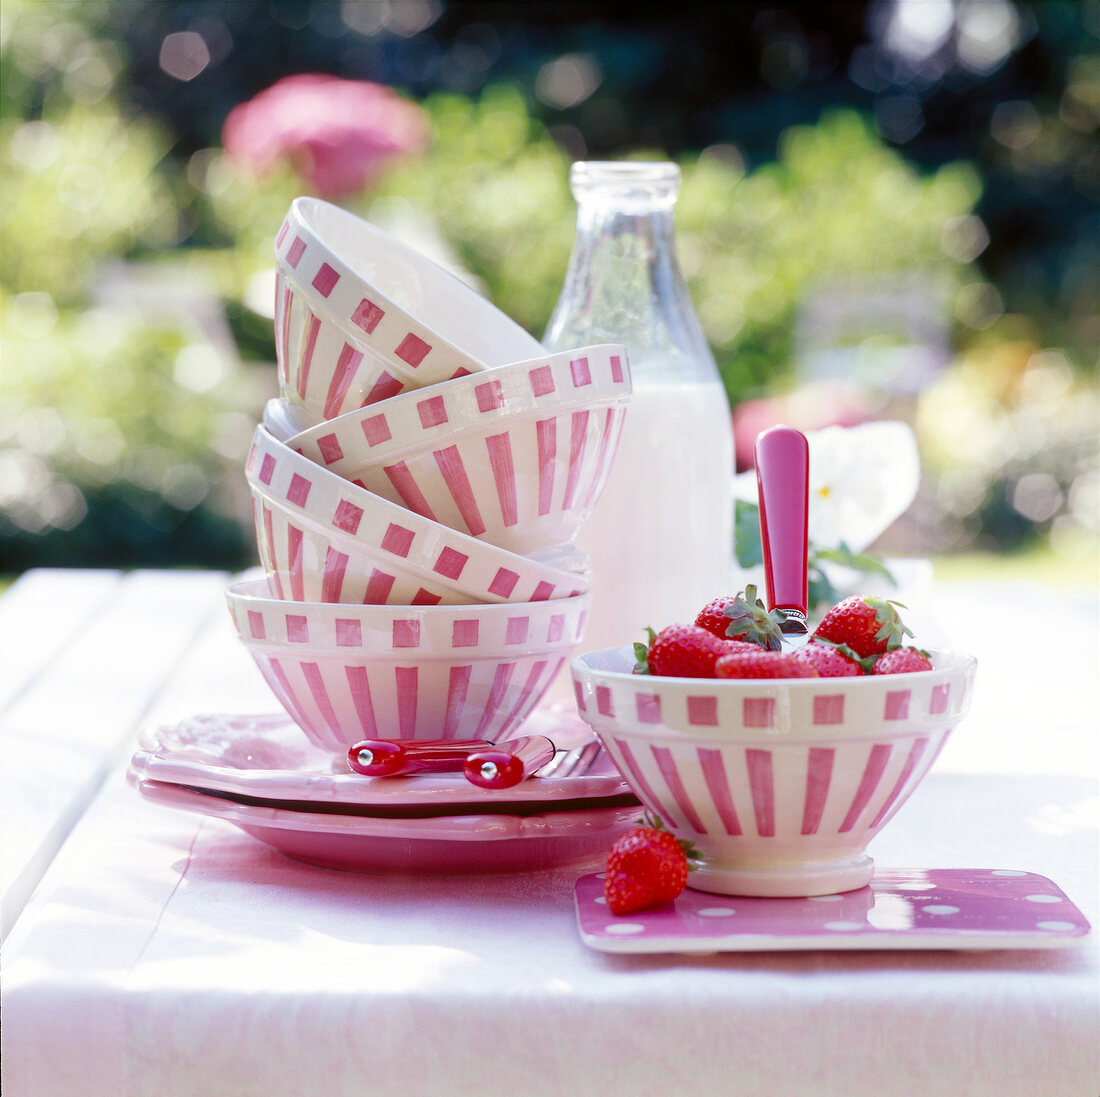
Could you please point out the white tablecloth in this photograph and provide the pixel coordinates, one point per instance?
(168, 954)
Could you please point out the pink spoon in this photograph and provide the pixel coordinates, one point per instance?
(782, 458)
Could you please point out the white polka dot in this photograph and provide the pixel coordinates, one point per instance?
(1007, 872)
(1043, 898)
(625, 928)
(940, 908)
(826, 898)
(1055, 925)
(841, 927)
(600, 899)
(715, 912)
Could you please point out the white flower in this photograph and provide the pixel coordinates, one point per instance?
(862, 479)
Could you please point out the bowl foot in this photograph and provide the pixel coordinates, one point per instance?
(784, 880)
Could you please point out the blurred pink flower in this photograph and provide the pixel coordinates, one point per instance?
(813, 406)
(337, 134)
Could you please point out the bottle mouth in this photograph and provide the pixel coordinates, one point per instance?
(625, 182)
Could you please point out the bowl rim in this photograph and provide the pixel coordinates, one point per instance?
(304, 215)
(429, 537)
(514, 402)
(959, 661)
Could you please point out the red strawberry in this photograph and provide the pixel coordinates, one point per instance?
(713, 617)
(763, 664)
(751, 620)
(829, 660)
(647, 867)
(901, 661)
(680, 651)
(868, 625)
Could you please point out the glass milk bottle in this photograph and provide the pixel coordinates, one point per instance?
(661, 536)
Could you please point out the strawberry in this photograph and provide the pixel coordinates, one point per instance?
(713, 617)
(763, 664)
(901, 661)
(679, 651)
(829, 660)
(647, 867)
(867, 625)
(751, 620)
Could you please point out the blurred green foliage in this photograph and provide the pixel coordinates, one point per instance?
(135, 293)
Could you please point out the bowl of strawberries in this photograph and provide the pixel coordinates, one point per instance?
(777, 758)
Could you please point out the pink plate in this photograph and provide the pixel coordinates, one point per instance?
(269, 757)
(902, 908)
(455, 845)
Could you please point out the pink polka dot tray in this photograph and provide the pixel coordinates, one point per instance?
(900, 909)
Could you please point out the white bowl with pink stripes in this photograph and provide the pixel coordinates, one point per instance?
(780, 783)
(517, 456)
(346, 673)
(361, 316)
(324, 539)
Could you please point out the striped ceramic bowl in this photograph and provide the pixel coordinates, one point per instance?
(323, 539)
(780, 784)
(360, 316)
(346, 673)
(516, 456)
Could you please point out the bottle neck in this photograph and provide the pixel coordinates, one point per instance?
(624, 283)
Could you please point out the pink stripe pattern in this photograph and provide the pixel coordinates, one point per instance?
(872, 774)
(450, 465)
(504, 476)
(762, 789)
(714, 773)
(671, 775)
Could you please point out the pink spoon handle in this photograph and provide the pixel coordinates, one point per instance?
(401, 757)
(782, 478)
(509, 763)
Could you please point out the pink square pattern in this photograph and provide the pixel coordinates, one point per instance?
(298, 492)
(297, 628)
(397, 540)
(648, 706)
(758, 712)
(347, 516)
(616, 369)
(504, 582)
(376, 429)
(450, 563)
(267, 469)
(325, 279)
(581, 371)
(517, 630)
(464, 633)
(349, 633)
(603, 701)
(938, 702)
(256, 625)
(367, 315)
(295, 251)
(703, 711)
(412, 349)
(406, 634)
(542, 380)
(897, 705)
(829, 708)
(433, 411)
(489, 395)
(330, 449)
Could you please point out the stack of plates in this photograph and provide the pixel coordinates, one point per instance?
(262, 774)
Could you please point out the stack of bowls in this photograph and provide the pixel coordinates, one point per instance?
(417, 489)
